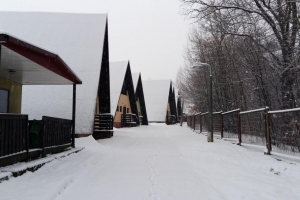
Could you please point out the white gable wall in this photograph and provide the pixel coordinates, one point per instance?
(78, 40)
(156, 93)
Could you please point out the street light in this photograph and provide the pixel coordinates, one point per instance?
(197, 66)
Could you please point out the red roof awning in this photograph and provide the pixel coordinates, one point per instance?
(27, 64)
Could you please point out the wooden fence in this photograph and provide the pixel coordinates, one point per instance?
(277, 130)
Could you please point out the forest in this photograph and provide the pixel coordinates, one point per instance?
(253, 48)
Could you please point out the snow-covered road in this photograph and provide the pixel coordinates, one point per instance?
(159, 162)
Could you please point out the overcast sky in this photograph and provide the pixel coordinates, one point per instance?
(150, 33)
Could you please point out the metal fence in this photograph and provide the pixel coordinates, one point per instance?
(253, 126)
(277, 130)
(230, 123)
(285, 131)
(13, 134)
(56, 131)
(197, 123)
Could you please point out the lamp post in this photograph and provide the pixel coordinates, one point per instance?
(196, 66)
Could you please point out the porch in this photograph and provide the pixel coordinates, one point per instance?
(22, 139)
(170, 119)
(103, 126)
(129, 120)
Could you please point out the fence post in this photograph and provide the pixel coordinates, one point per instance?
(200, 123)
(221, 118)
(239, 128)
(194, 122)
(27, 136)
(43, 136)
(267, 126)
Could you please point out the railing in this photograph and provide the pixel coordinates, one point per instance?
(253, 127)
(201, 122)
(56, 131)
(129, 119)
(13, 134)
(197, 122)
(103, 122)
(277, 130)
(230, 124)
(178, 119)
(285, 131)
(141, 119)
(171, 119)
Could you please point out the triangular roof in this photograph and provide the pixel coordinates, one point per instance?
(139, 94)
(156, 94)
(176, 95)
(117, 75)
(78, 39)
(135, 79)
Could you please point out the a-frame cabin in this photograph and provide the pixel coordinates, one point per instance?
(81, 40)
(171, 117)
(103, 121)
(140, 99)
(123, 104)
(178, 105)
(160, 102)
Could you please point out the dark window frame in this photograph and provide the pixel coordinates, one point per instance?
(8, 99)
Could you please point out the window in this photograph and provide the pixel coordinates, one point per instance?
(127, 110)
(4, 96)
(117, 108)
(120, 108)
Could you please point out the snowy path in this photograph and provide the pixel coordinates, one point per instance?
(158, 162)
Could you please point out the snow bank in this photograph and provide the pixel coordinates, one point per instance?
(87, 142)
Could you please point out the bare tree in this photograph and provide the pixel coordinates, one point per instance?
(272, 27)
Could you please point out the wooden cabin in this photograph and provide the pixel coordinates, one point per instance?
(160, 102)
(81, 40)
(24, 64)
(123, 101)
(178, 105)
(140, 99)
(172, 116)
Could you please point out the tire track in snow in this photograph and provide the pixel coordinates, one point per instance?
(63, 187)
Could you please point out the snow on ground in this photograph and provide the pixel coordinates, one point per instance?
(159, 162)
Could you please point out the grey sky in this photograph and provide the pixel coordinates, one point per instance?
(150, 33)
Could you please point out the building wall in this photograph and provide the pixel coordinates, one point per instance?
(169, 109)
(15, 94)
(124, 102)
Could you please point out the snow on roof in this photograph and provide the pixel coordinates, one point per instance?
(78, 39)
(156, 94)
(117, 71)
(135, 79)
